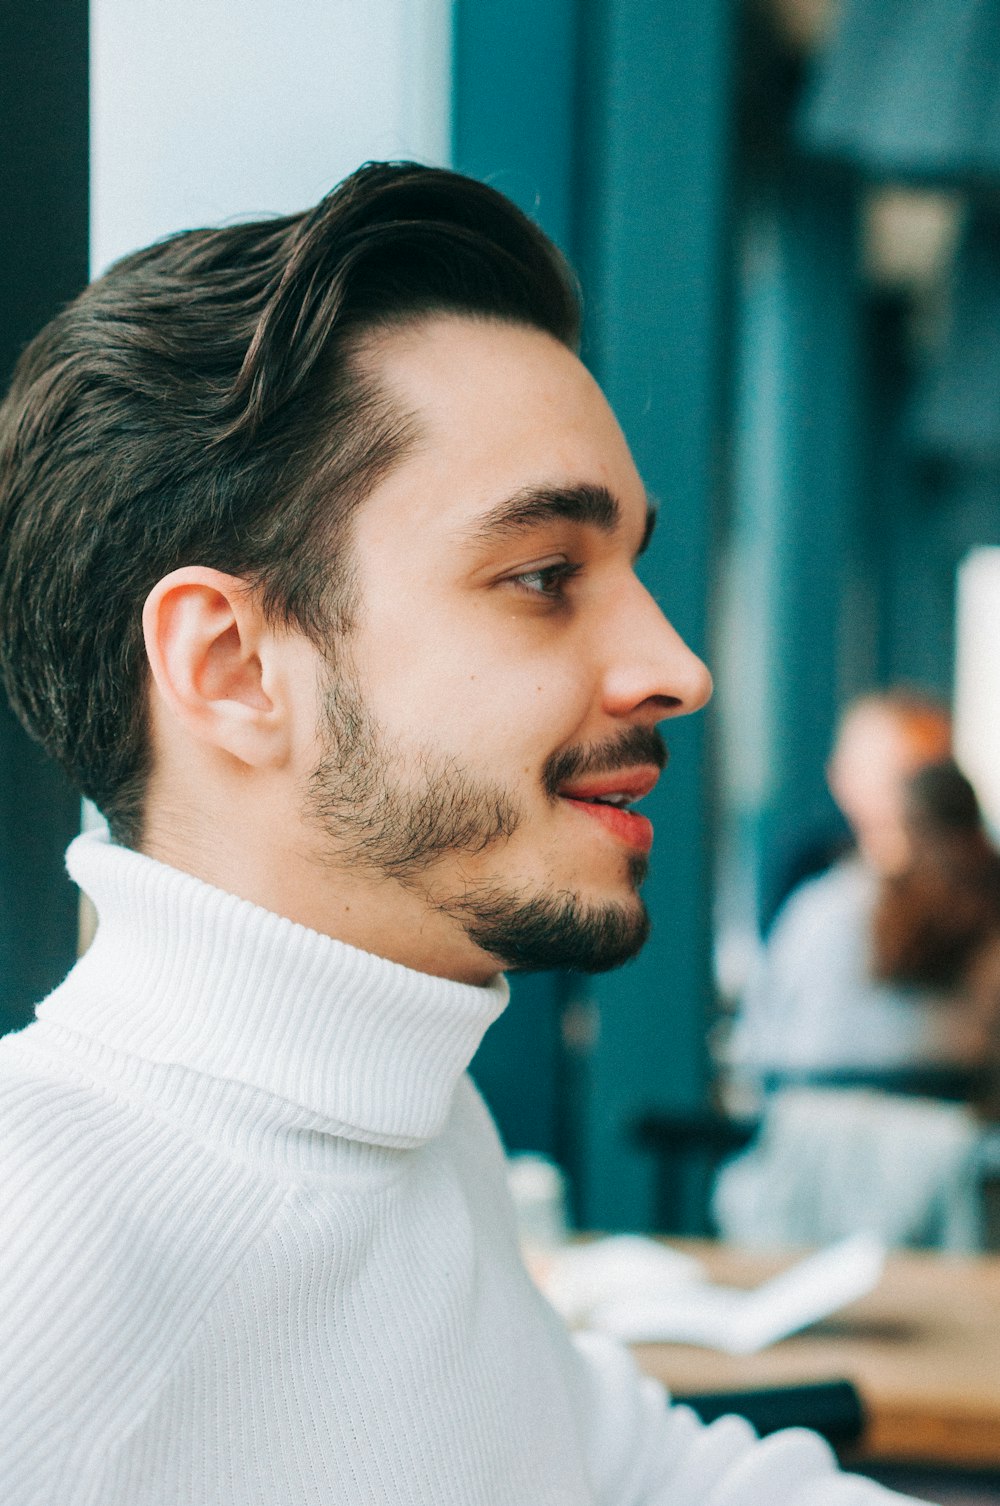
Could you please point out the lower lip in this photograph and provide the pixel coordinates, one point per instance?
(629, 827)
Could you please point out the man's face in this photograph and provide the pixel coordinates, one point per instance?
(496, 700)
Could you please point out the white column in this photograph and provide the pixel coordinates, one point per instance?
(205, 110)
(977, 677)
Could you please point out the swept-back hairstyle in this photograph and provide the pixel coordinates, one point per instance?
(208, 402)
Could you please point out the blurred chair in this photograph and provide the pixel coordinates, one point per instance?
(831, 1161)
(692, 1148)
(689, 1147)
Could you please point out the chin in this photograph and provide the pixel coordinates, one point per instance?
(560, 930)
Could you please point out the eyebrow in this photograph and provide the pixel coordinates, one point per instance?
(533, 507)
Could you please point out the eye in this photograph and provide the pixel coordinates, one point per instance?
(547, 581)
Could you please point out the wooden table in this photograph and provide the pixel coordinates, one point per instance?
(923, 1351)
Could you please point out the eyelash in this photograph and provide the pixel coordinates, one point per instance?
(557, 576)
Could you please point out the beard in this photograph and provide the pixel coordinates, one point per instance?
(385, 823)
(529, 933)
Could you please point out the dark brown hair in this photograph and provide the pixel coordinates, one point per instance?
(207, 402)
(932, 920)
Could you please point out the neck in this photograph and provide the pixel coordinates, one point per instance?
(288, 876)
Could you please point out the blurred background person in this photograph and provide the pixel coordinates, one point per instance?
(869, 1139)
(818, 1007)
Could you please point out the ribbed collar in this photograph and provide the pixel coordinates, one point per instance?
(184, 974)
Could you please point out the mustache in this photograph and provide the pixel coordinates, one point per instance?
(632, 746)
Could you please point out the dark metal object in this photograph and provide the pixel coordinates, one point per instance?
(831, 1408)
(689, 1147)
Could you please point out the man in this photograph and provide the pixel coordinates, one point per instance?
(815, 1011)
(318, 576)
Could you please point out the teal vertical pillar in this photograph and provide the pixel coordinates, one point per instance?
(653, 193)
(823, 609)
(513, 104)
(43, 262)
(513, 125)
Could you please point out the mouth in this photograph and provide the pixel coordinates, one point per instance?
(608, 799)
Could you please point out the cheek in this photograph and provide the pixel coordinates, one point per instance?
(481, 702)
(463, 672)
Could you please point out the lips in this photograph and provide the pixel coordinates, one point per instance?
(627, 784)
(605, 799)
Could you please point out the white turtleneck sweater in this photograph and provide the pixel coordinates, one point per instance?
(257, 1248)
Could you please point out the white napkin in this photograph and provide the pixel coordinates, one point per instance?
(643, 1292)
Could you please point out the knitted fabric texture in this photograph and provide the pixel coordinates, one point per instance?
(257, 1247)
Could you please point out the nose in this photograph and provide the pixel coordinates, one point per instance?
(651, 673)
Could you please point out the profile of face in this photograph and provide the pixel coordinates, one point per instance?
(491, 714)
(448, 778)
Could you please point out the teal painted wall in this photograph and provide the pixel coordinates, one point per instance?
(43, 262)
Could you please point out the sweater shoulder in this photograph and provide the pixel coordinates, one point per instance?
(115, 1235)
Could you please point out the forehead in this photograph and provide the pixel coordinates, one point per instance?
(497, 408)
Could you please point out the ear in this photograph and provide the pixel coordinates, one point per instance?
(213, 665)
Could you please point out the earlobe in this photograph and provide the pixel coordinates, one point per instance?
(208, 648)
